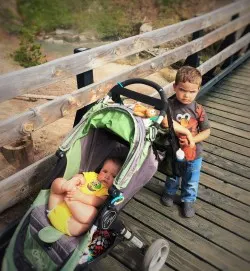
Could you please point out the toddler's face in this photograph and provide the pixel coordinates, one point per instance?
(108, 173)
(186, 92)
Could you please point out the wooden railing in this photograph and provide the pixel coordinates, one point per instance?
(16, 187)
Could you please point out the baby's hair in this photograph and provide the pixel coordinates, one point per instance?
(188, 74)
(117, 160)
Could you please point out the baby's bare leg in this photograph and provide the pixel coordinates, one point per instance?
(76, 228)
(56, 193)
(57, 186)
(82, 212)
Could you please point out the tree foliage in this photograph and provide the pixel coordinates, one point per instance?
(29, 52)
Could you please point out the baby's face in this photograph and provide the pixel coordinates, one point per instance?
(108, 173)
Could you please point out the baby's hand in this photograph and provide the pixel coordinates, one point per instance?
(76, 180)
(68, 186)
(73, 195)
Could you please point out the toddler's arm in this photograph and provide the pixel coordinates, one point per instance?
(180, 130)
(202, 136)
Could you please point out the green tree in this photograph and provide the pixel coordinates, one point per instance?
(29, 52)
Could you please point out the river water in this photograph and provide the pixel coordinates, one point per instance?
(64, 49)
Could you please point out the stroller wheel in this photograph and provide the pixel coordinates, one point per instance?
(156, 255)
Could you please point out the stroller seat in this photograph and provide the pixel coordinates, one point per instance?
(58, 251)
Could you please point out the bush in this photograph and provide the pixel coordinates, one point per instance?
(29, 53)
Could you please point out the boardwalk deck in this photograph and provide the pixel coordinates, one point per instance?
(218, 237)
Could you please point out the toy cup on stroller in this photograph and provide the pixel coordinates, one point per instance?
(105, 130)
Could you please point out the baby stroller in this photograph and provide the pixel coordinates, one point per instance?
(105, 130)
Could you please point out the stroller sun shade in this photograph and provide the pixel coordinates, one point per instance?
(87, 147)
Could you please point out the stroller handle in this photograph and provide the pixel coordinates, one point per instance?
(120, 89)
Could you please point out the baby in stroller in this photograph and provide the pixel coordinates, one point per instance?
(73, 204)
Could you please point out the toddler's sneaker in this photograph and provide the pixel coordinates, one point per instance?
(187, 209)
(167, 200)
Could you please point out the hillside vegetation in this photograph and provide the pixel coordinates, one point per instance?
(101, 19)
(106, 19)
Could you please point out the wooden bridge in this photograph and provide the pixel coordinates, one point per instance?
(218, 237)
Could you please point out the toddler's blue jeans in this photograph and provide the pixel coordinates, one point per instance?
(189, 184)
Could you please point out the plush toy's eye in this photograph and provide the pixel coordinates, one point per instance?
(186, 116)
(179, 117)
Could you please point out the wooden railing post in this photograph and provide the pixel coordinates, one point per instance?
(83, 79)
(194, 59)
(247, 30)
(230, 39)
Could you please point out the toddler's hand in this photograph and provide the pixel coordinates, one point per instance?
(191, 140)
(187, 140)
(183, 141)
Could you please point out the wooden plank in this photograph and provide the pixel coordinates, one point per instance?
(226, 103)
(227, 154)
(234, 207)
(210, 104)
(179, 258)
(22, 81)
(231, 123)
(108, 264)
(238, 81)
(130, 255)
(234, 85)
(25, 182)
(209, 212)
(241, 73)
(232, 93)
(229, 98)
(226, 176)
(244, 79)
(231, 130)
(226, 164)
(198, 225)
(228, 145)
(201, 247)
(231, 206)
(234, 117)
(230, 137)
(245, 69)
(15, 127)
(227, 189)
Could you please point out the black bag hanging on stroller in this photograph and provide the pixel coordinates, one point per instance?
(105, 130)
(167, 144)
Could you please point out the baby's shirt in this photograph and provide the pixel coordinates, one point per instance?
(92, 186)
(192, 116)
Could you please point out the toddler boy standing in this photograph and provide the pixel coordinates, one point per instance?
(189, 114)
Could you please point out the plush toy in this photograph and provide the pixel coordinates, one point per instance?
(144, 112)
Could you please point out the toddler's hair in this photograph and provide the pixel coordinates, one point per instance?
(188, 74)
